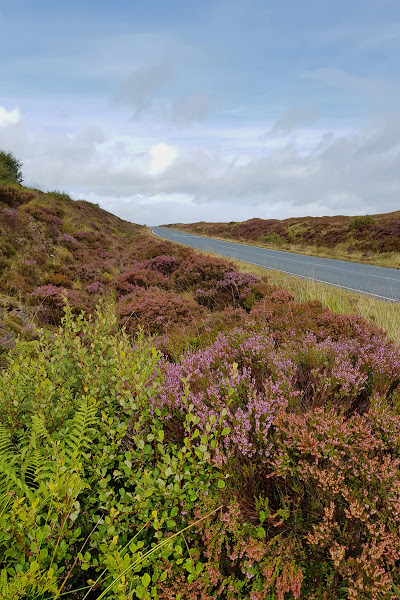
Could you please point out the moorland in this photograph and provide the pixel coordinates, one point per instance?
(371, 239)
(173, 427)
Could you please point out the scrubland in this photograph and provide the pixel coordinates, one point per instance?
(371, 239)
(175, 427)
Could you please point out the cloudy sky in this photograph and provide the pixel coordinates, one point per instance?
(213, 110)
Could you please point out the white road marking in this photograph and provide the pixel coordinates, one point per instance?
(343, 287)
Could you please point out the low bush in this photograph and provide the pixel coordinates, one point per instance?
(361, 221)
(165, 264)
(94, 499)
(232, 289)
(273, 239)
(69, 241)
(95, 288)
(138, 277)
(200, 271)
(313, 462)
(156, 310)
(13, 196)
(49, 302)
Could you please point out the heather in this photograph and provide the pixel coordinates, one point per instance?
(254, 467)
(173, 427)
(373, 239)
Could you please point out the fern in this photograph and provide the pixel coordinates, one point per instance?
(5, 440)
(10, 479)
(77, 439)
(37, 457)
(23, 584)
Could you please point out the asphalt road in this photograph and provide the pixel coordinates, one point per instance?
(379, 282)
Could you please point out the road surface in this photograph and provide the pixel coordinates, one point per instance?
(378, 282)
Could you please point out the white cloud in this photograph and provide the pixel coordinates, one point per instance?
(181, 179)
(10, 117)
(162, 156)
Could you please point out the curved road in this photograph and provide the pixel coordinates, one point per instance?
(379, 282)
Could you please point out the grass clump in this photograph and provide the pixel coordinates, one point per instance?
(60, 195)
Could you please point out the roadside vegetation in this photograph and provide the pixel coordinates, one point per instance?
(180, 427)
(370, 239)
(385, 315)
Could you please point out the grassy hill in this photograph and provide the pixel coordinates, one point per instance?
(240, 444)
(373, 239)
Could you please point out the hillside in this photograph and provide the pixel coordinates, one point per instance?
(49, 242)
(52, 247)
(177, 429)
(373, 239)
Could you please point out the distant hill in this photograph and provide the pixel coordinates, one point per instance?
(367, 238)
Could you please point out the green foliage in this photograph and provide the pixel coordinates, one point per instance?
(95, 492)
(361, 221)
(273, 239)
(10, 168)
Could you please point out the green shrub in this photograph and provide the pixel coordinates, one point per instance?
(10, 168)
(273, 239)
(361, 221)
(95, 490)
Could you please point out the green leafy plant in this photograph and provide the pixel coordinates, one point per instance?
(10, 168)
(361, 221)
(96, 493)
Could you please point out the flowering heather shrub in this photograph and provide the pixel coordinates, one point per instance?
(90, 270)
(51, 300)
(313, 457)
(232, 289)
(155, 310)
(164, 264)
(198, 270)
(288, 319)
(9, 217)
(14, 197)
(87, 238)
(48, 216)
(69, 241)
(137, 277)
(147, 247)
(59, 279)
(95, 288)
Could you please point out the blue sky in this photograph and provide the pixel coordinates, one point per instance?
(219, 110)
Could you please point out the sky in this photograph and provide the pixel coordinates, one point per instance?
(218, 110)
